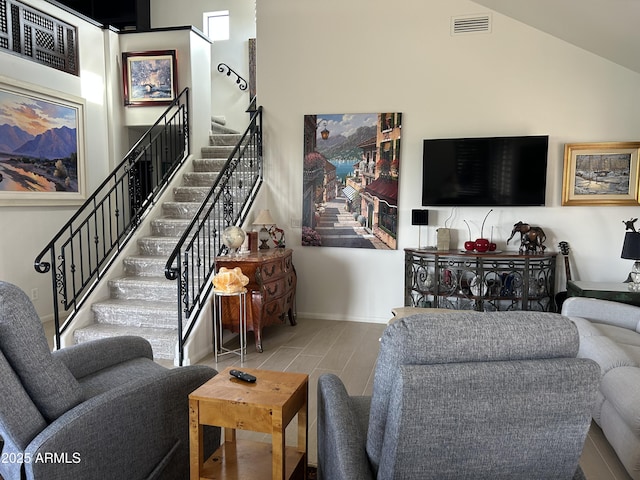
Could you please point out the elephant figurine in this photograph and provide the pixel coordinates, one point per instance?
(531, 238)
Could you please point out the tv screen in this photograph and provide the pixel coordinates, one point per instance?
(488, 171)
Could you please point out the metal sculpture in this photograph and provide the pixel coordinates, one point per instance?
(531, 238)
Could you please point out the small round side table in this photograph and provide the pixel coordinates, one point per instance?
(218, 349)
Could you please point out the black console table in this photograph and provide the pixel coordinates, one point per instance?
(615, 292)
(479, 281)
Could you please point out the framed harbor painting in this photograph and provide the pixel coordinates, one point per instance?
(42, 156)
(149, 78)
(351, 172)
(601, 173)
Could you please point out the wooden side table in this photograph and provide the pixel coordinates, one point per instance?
(266, 406)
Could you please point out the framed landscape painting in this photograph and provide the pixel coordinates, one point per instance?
(42, 157)
(149, 77)
(601, 174)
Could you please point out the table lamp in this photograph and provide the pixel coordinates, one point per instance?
(631, 251)
(264, 218)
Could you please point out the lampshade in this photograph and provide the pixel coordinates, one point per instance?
(264, 218)
(631, 246)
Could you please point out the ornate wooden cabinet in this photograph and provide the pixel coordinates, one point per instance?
(479, 281)
(271, 290)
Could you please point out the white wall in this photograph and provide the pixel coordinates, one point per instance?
(194, 59)
(26, 230)
(372, 56)
(227, 99)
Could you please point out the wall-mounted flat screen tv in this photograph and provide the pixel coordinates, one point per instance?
(487, 171)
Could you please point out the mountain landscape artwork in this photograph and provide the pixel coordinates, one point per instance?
(38, 144)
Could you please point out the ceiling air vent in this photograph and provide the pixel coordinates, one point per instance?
(471, 24)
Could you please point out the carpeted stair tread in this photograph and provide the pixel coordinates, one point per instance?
(136, 313)
(190, 194)
(200, 179)
(143, 288)
(145, 265)
(208, 164)
(169, 227)
(180, 209)
(158, 246)
(225, 139)
(216, 151)
(163, 340)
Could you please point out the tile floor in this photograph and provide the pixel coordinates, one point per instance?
(349, 350)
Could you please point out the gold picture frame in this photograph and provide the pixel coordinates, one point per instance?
(604, 173)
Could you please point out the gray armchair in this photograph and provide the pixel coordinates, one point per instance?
(463, 395)
(97, 410)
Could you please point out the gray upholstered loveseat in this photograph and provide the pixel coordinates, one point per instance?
(463, 395)
(99, 410)
(610, 335)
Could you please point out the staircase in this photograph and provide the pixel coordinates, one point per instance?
(144, 302)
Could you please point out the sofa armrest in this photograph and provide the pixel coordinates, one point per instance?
(603, 311)
(86, 358)
(123, 433)
(342, 432)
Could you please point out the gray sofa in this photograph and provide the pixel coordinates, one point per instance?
(97, 410)
(463, 395)
(609, 334)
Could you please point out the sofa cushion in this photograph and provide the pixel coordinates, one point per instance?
(586, 328)
(603, 311)
(606, 352)
(619, 334)
(50, 384)
(133, 370)
(621, 387)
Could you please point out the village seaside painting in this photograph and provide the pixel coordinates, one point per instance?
(351, 172)
(41, 153)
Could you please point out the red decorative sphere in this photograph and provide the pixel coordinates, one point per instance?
(469, 246)
(482, 245)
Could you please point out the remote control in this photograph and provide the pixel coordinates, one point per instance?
(243, 376)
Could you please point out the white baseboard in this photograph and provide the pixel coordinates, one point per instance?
(343, 318)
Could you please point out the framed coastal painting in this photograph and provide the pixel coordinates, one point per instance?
(149, 78)
(351, 168)
(42, 153)
(601, 174)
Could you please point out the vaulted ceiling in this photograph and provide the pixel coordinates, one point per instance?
(608, 28)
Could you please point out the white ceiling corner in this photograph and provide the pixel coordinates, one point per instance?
(607, 28)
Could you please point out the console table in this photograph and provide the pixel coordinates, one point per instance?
(613, 291)
(479, 281)
(271, 291)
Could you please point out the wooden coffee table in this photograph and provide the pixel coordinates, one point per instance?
(266, 406)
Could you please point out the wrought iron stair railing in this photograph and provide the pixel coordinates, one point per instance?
(192, 262)
(241, 82)
(79, 255)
